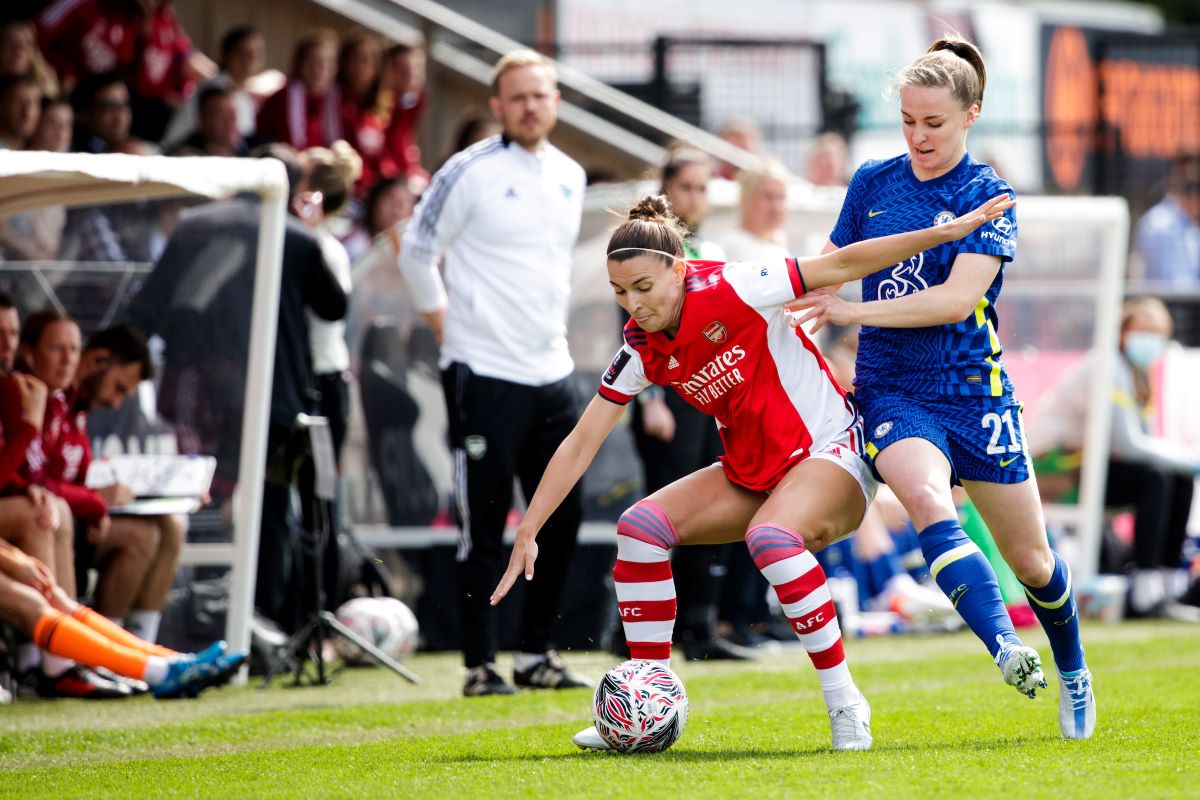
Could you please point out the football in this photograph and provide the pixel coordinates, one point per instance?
(383, 621)
(640, 707)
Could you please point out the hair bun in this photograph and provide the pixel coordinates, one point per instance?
(652, 208)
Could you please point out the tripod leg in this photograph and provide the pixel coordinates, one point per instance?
(383, 658)
(294, 646)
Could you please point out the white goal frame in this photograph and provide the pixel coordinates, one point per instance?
(34, 179)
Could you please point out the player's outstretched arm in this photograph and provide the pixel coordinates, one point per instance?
(871, 255)
(942, 304)
(567, 466)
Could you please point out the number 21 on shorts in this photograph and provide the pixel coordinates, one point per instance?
(1000, 424)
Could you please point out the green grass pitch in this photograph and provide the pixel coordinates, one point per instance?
(944, 726)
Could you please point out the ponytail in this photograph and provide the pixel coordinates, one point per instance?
(952, 63)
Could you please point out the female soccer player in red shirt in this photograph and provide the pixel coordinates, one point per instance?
(792, 478)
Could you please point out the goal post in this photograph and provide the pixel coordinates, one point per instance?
(34, 180)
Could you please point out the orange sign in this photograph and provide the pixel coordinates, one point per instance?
(1069, 106)
(1153, 108)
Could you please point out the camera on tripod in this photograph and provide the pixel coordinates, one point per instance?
(306, 459)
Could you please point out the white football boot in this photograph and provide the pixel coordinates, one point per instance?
(1021, 667)
(590, 739)
(852, 726)
(1076, 705)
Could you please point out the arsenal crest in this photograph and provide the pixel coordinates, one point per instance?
(715, 333)
(476, 447)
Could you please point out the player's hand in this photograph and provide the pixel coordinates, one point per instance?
(33, 398)
(34, 573)
(98, 531)
(821, 308)
(657, 420)
(992, 209)
(524, 553)
(117, 494)
(45, 510)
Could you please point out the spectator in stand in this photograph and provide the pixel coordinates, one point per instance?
(103, 113)
(307, 111)
(217, 131)
(1167, 237)
(243, 56)
(55, 126)
(140, 40)
(829, 160)
(378, 285)
(475, 127)
(135, 557)
(20, 57)
(743, 133)
(388, 202)
(1153, 474)
(366, 106)
(113, 233)
(404, 74)
(36, 235)
(760, 235)
(20, 109)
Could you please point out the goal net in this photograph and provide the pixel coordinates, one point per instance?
(81, 235)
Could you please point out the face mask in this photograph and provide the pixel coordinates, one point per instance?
(1143, 349)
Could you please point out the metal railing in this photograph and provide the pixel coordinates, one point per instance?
(439, 26)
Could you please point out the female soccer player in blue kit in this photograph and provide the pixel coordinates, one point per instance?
(938, 404)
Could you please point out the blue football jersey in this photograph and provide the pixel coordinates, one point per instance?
(963, 358)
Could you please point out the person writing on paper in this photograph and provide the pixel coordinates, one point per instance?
(134, 556)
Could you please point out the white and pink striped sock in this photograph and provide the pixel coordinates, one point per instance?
(645, 587)
(799, 583)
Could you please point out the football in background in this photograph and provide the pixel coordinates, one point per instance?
(383, 621)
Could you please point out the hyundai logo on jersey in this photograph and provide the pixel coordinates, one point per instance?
(715, 333)
(1004, 225)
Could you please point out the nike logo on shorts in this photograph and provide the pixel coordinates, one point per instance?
(1004, 462)
(874, 213)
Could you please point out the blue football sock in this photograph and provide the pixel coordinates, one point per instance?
(1055, 607)
(965, 576)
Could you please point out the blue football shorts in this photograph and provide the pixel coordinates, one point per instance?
(983, 438)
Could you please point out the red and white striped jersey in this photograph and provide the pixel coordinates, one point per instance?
(736, 357)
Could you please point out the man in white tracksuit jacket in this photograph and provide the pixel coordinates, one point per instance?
(505, 213)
